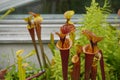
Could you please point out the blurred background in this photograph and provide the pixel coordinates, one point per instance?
(53, 6)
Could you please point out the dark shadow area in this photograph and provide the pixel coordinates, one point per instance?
(60, 6)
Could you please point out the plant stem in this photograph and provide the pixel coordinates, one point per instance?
(35, 75)
(10, 66)
(2, 74)
(93, 71)
(64, 58)
(76, 71)
(92, 46)
(31, 31)
(52, 44)
(88, 65)
(7, 13)
(76, 66)
(38, 31)
(102, 66)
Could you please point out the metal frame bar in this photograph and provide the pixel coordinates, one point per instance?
(6, 4)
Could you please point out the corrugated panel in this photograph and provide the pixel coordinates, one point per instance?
(13, 30)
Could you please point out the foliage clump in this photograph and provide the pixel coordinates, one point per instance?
(95, 21)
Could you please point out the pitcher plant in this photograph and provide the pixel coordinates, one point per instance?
(65, 43)
(92, 55)
(31, 30)
(37, 23)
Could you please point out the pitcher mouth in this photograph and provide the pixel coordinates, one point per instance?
(87, 50)
(67, 44)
